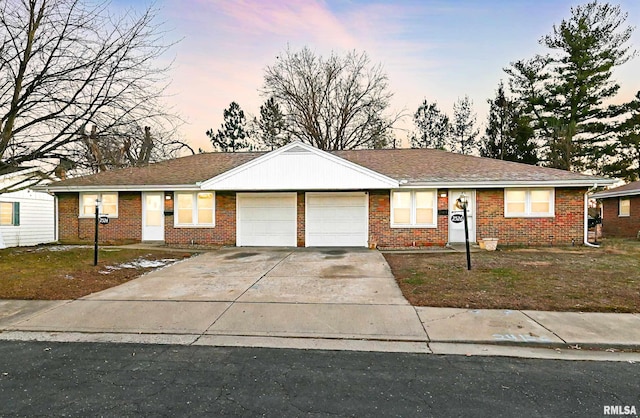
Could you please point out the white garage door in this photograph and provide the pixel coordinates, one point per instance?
(266, 219)
(336, 220)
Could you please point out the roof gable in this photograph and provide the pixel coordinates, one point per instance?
(299, 166)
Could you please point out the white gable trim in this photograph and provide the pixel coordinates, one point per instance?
(299, 166)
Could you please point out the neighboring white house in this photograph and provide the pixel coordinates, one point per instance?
(27, 217)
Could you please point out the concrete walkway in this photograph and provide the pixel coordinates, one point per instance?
(309, 299)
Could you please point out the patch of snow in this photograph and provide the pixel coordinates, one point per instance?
(56, 248)
(143, 263)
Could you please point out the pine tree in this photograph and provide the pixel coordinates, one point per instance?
(432, 127)
(509, 135)
(627, 144)
(564, 91)
(463, 132)
(270, 128)
(232, 135)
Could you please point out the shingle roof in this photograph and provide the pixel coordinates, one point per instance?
(179, 171)
(626, 190)
(434, 166)
(412, 165)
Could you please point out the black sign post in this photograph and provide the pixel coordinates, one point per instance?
(463, 202)
(95, 242)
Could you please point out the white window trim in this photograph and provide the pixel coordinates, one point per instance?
(413, 209)
(620, 214)
(527, 203)
(194, 209)
(99, 194)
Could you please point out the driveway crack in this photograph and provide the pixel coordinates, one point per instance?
(242, 294)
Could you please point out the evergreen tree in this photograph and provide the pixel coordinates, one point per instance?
(463, 132)
(564, 91)
(432, 127)
(232, 135)
(270, 128)
(509, 134)
(627, 144)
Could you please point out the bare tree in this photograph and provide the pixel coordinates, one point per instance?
(132, 146)
(67, 64)
(331, 103)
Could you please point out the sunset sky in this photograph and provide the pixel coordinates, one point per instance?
(434, 50)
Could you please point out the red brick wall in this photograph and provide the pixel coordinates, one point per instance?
(620, 226)
(68, 209)
(126, 227)
(301, 219)
(224, 233)
(567, 225)
(382, 235)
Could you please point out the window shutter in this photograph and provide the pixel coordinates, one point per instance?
(16, 213)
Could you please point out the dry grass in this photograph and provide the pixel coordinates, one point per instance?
(551, 279)
(55, 273)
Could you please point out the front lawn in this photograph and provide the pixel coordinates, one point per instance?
(67, 272)
(585, 279)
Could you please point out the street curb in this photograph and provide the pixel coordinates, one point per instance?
(589, 352)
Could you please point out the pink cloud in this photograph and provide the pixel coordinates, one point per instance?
(310, 21)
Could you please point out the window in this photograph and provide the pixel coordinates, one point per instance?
(415, 208)
(108, 204)
(9, 213)
(625, 207)
(195, 209)
(528, 202)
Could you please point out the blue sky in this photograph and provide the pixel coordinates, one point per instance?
(434, 50)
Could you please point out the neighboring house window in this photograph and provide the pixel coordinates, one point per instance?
(195, 209)
(625, 207)
(528, 202)
(9, 213)
(108, 204)
(416, 208)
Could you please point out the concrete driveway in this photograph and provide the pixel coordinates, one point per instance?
(269, 275)
(321, 293)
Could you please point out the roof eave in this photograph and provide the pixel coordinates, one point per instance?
(622, 193)
(489, 184)
(120, 188)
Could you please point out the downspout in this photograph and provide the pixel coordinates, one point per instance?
(586, 218)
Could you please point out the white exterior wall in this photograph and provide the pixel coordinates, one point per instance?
(299, 167)
(37, 219)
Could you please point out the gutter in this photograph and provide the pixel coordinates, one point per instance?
(613, 193)
(116, 188)
(503, 184)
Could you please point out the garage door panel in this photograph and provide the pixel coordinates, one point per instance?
(336, 219)
(267, 220)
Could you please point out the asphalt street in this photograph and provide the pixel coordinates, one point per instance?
(103, 379)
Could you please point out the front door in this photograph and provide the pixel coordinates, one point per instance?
(153, 216)
(456, 216)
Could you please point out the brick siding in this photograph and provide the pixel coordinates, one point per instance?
(301, 219)
(224, 232)
(127, 227)
(616, 226)
(563, 229)
(382, 235)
